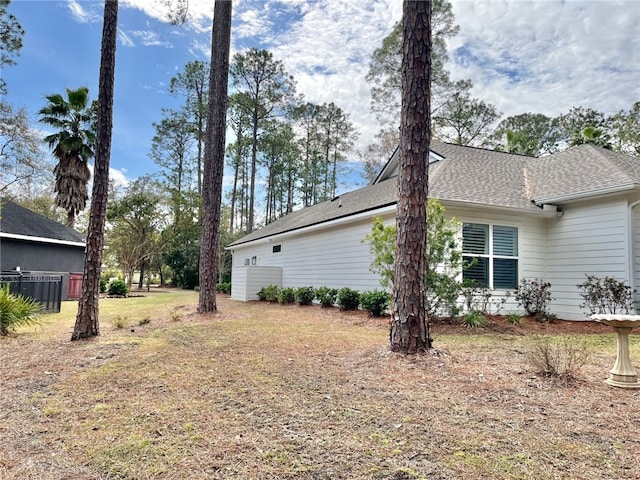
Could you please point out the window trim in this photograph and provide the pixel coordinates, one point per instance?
(491, 256)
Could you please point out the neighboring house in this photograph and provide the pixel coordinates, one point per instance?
(33, 243)
(556, 218)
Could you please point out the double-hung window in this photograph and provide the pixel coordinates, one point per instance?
(490, 253)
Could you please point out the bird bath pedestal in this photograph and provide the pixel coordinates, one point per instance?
(622, 374)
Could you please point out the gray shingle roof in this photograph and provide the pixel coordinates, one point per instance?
(581, 171)
(18, 220)
(482, 177)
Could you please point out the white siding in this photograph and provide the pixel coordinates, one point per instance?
(590, 238)
(338, 257)
(334, 256)
(247, 281)
(531, 240)
(635, 222)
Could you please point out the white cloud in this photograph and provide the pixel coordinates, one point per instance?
(125, 40)
(118, 177)
(150, 38)
(548, 56)
(82, 15)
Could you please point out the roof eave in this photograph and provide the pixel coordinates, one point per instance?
(380, 210)
(27, 238)
(588, 193)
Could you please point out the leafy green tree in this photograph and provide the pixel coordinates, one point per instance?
(11, 34)
(72, 144)
(214, 155)
(444, 258)
(626, 130)
(532, 134)
(134, 225)
(572, 125)
(382, 245)
(279, 157)
(464, 120)
(375, 155)
(384, 68)
(22, 163)
(306, 117)
(594, 136)
(267, 90)
(193, 85)
(87, 318)
(337, 136)
(238, 158)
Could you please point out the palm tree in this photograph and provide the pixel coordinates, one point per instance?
(72, 145)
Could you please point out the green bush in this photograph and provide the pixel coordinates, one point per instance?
(304, 295)
(17, 311)
(514, 318)
(605, 295)
(223, 287)
(534, 296)
(376, 302)
(326, 296)
(474, 320)
(269, 293)
(287, 295)
(348, 299)
(103, 285)
(118, 288)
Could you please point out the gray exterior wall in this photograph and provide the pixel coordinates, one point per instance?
(40, 256)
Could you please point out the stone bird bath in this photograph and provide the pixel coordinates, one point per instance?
(622, 374)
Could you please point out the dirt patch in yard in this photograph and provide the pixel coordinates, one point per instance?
(261, 391)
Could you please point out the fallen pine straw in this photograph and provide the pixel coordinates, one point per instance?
(261, 391)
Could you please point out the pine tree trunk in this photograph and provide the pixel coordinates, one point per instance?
(410, 325)
(87, 319)
(214, 149)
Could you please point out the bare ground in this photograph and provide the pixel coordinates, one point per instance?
(269, 392)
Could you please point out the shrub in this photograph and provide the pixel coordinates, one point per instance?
(118, 288)
(103, 285)
(474, 320)
(514, 318)
(17, 311)
(269, 293)
(326, 296)
(444, 258)
(561, 359)
(287, 295)
(606, 295)
(174, 313)
(144, 321)
(348, 299)
(476, 297)
(223, 287)
(534, 296)
(304, 295)
(119, 322)
(376, 302)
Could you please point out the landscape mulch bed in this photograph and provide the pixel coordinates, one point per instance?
(270, 392)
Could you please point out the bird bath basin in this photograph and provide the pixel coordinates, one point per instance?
(622, 374)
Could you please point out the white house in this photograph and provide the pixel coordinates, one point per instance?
(557, 218)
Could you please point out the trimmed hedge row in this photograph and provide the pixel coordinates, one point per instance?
(376, 302)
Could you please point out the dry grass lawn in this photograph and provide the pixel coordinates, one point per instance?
(261, 391)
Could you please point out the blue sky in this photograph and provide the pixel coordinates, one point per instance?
(539, 56)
